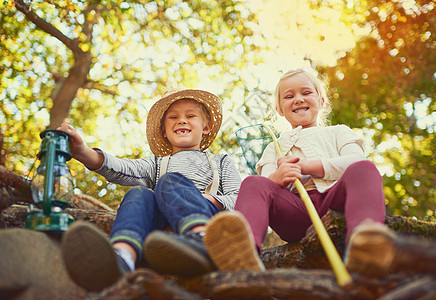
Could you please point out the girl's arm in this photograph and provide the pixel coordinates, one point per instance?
(335, 167)
(92, 159)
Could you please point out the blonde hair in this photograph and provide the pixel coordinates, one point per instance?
(320, 87)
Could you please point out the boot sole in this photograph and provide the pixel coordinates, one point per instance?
(168, 256)
(230, 243)
(89, 257)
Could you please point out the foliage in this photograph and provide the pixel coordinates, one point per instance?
(138, 49)
(387, 85)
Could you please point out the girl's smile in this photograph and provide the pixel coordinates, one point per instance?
(299, 101)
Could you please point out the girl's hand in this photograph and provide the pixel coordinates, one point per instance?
(308, 167)
(288, 170)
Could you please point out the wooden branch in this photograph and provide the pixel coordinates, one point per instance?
(421, 288)
(93, 85)
(286, 283)
(14, 217)
(44, 25)
(13, 189)
(78, 73)
(88, 202)
(144, 283)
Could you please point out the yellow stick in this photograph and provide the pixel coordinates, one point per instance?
(342, 276)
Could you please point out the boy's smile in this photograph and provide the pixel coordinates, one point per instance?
(182, 131)
(184, 125)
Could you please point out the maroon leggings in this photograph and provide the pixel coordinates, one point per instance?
(358, 193)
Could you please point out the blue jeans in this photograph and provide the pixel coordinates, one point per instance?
(175, 202)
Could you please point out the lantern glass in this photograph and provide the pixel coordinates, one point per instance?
(52, 187)
(63, 185)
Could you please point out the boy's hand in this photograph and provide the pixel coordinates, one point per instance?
(92, 159)
(213, 200)
(77, 144)
(288, 170)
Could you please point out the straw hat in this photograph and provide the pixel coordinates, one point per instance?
(159, 145)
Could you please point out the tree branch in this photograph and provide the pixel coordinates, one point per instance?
(45, 26)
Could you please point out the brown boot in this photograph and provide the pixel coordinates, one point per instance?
(229, 242)
(371, 250)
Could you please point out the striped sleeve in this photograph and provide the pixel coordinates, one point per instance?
(128, 172)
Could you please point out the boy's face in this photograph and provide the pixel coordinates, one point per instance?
(184, 125)
(299, 101)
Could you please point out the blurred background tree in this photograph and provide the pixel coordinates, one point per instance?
(101, 65)
(386, 85)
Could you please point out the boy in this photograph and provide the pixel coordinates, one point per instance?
(189, 186)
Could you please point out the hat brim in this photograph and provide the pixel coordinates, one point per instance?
(159, 145)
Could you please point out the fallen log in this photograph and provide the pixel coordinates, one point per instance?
(15, 189)
(15, 215)
(144, 283)
(307, 253)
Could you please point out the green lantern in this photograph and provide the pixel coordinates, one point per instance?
(52, 186)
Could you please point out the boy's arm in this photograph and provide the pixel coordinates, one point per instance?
(213, 200)
(127, 172)
(230, 181)
(92, 159)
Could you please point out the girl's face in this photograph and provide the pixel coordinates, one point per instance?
(299, 101)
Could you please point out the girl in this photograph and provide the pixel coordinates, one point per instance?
(328, 160)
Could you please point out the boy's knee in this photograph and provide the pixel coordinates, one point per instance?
(170, 177)
(138, 192)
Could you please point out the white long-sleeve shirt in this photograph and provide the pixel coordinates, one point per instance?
(336, 146)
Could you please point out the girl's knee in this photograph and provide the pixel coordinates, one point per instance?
(254, 182)
(363, 166)
(254, 188)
